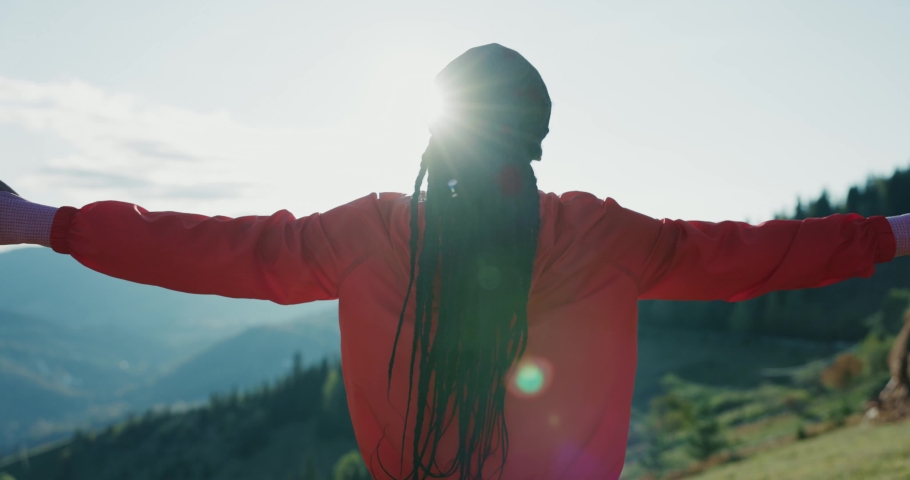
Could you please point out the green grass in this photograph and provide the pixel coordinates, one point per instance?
(860, 452)
(727, 370)
(751, 420)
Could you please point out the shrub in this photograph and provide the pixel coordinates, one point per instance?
(796, 402)
(874, 350)
(350, 467)
(838, 415)
(671, 413)
(657, 442)
(808, 375)
(705, 440)
(843, 372)
(705, 437)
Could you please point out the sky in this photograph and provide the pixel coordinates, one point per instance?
(721, 110)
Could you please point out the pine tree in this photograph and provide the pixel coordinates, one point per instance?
(800, 212)
(743, 317)
(309, 468)
(657, 442)
(705, 438)
(297, 369)
(822, 206)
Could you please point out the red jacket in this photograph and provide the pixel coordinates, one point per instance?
(595, 260)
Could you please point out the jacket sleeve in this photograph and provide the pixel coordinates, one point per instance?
(280, 258)
(734, 261)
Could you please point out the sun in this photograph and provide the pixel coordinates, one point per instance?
(432, 103)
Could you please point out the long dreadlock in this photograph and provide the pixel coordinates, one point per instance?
(482, 219)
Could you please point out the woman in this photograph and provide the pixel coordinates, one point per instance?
(487, 329)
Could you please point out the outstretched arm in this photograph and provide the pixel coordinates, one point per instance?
(736, 261)
(279, 258)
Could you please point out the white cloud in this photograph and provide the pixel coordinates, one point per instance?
(164, 157)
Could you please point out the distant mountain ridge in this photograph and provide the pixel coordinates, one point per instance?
(246, 360)
(46, 395)
(77, 346)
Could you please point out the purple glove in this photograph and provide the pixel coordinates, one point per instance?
(901, 227)
(22, 221)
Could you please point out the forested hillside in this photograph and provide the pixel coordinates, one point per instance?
(55, 378)
(837, 312)
(297, 428)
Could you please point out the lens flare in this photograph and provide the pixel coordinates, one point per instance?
(531, 378)
(433, 105)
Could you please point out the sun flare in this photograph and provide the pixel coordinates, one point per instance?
(433, 104)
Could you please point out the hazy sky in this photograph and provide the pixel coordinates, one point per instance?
(698, 110)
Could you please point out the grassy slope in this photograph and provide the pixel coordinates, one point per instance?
(855, 453)
(752, 419)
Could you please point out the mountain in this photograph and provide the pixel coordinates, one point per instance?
(246, 360)
(49, 371)
(43, 284)
(56, 379)
(79, 348)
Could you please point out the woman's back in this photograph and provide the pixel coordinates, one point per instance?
(568, 408)
(569, 399)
